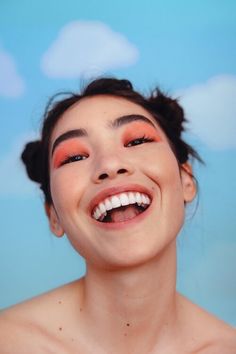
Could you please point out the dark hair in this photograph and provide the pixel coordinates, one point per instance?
(166, 111)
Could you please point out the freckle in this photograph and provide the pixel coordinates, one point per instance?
(72, 339)
(59, 302)
(60, 328)
(125, 334)
(80, 309)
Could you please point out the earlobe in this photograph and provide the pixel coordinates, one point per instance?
(188, 182)
(54, 222)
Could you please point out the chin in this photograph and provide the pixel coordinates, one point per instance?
(130, 256)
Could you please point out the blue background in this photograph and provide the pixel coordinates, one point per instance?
(186, 47)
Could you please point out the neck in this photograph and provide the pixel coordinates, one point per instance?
(135, 306)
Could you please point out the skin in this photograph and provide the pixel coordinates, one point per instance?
(127, 301)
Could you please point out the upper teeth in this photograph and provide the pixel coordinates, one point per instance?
(118, 200)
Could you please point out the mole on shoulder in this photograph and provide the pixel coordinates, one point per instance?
(127, 324)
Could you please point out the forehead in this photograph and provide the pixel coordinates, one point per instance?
(94, 112)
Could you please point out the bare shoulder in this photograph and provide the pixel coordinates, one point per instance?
(19, 336)
(34, 325)
(209, 334)
(219, 338)
(223, 345)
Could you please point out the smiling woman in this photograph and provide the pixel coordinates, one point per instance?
(116, 176)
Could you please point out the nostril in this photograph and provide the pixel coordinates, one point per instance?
(111, 174)
(122, 170)
(103, 176)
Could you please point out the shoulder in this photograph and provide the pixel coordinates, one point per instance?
(38, 308)
(34, 325)
(219, 338)
(223, 345)
(17, 335)
(23, 335)
(209, 334)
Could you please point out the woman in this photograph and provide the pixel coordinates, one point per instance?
(116, 176)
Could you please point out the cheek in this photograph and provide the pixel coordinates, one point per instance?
(161, 164)
(67, 186)
(164, 172)
(60, 193)
(162, 168)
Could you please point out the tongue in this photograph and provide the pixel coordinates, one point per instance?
(124, 213)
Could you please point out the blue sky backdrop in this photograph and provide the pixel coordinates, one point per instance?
(188, 48)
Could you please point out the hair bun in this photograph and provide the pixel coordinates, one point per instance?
(32, 158)
(108, 85)
(126, 84)
(169, 109)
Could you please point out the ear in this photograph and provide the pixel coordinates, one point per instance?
(54, 222)
(188, 183)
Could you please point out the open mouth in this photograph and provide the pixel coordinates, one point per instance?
(121, 207)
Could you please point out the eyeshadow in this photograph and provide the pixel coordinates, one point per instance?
(66, 149)
(138, 129)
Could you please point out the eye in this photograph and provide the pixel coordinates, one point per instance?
(138, 141)
(73, 158)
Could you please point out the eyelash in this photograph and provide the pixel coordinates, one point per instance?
(142, 140)
(73, 158)
(138, 141)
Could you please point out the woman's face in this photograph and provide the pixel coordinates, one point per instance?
(106, 150)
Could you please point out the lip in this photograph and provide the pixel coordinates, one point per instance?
(108, 192)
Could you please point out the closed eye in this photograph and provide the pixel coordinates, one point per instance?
(138, 141)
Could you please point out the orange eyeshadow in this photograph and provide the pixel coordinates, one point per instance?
(67, 149)
(139, 129)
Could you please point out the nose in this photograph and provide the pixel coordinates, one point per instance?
(110, 167)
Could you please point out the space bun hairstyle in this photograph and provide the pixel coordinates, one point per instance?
(166, 111)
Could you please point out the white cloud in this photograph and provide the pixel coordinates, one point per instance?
(87, 48)
(211, 109)
(14, 181)
(11, 83)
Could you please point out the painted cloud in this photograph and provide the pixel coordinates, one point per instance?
(211, 109)
(87, 48)
(11, 83)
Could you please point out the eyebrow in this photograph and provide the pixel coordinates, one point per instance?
(117, 123)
